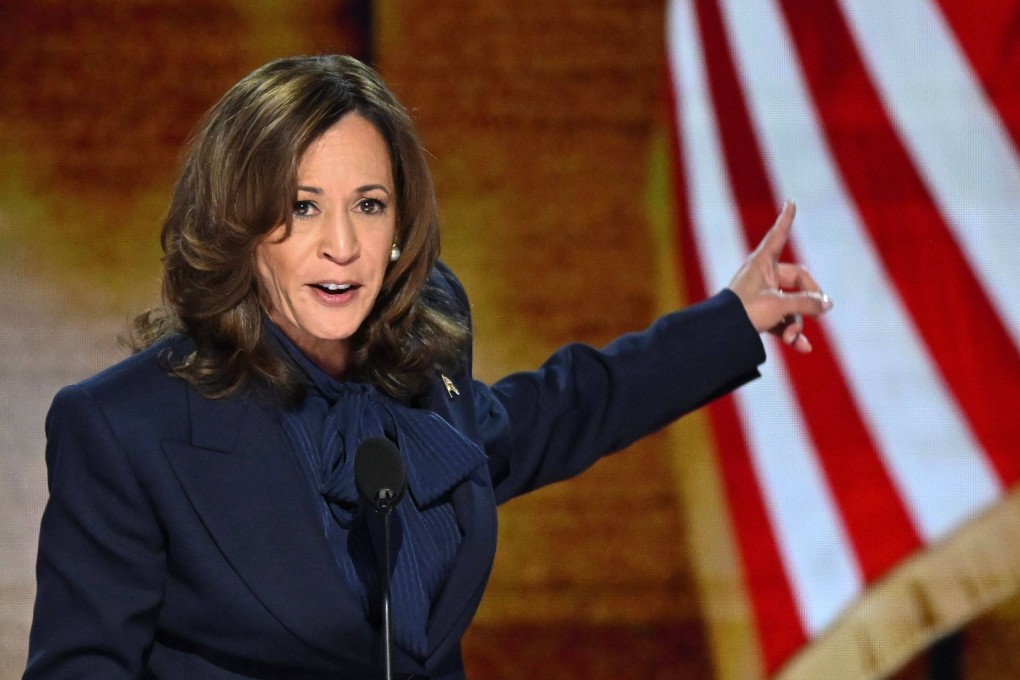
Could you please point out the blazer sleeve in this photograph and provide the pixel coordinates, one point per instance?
(547, 425)
(101, 563)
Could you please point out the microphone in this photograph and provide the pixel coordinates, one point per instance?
(379, 473)
(381, 481)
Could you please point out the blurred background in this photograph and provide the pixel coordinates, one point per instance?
(565, 175)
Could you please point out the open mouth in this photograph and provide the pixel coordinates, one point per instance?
(335, 288)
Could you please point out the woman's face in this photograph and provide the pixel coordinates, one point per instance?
(322, 280)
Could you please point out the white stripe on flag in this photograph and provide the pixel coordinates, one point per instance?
(811, 537)
(927, 446)
(953, 134)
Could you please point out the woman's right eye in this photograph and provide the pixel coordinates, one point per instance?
(304, 209)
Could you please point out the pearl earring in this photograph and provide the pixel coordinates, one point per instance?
(394, 253)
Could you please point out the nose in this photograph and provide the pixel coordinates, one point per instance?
(339, 240)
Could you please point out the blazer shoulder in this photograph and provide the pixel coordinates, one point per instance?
(136, 393)
(140, 374)
(445, 282)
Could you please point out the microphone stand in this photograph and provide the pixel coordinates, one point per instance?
(380, 478)
(385, 506)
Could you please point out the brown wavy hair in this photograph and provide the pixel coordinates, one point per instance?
(238, 182)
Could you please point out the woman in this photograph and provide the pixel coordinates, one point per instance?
(203, 520)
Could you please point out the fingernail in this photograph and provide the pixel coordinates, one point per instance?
(824, 300)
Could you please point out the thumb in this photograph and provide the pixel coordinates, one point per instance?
(805, 303)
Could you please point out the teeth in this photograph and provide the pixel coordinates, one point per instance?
(335, 287)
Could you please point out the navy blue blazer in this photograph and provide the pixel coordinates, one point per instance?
(180, 540)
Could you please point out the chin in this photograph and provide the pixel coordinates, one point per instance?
(332, 329)
(331, 334)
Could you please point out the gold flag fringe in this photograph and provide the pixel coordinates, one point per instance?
(927, 596)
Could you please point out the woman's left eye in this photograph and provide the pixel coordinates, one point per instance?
(370, 206)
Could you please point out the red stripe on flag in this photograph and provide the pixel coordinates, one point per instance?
(955, 319)
(860, 483)
(989, 34)
(780, 633)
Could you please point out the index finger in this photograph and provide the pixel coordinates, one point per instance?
(775, 240)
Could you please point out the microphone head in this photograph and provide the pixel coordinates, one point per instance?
(379, 473)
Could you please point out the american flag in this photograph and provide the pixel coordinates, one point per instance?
(894, 125)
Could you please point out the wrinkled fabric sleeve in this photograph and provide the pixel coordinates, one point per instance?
(101, 563)
(544, 426)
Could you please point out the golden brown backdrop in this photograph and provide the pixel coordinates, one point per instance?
(544, 122)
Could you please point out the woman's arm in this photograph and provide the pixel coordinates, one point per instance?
(550, 424)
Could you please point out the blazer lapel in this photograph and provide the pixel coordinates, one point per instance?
(475, 507)
(244, 482)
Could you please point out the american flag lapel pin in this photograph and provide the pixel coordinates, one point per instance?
(451, 389)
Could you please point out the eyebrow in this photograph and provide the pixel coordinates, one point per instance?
(360, 190)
